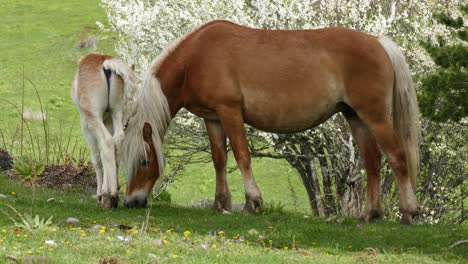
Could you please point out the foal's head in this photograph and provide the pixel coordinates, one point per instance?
(145, 174)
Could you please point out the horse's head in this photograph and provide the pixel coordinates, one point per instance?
(145, 174)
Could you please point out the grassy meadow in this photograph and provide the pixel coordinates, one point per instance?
(38, 49)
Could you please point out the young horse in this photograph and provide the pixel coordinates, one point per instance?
(282, 81)
(103, 90)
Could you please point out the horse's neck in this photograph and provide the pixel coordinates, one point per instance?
(171, 77)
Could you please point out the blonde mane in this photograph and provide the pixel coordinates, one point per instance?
(151, 107)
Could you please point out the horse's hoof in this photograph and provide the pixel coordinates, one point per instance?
(222, 202)
(407, 217)
(253, 205)
(373, 214)
(109, 201)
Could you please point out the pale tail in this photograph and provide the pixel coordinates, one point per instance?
(128, 76)
(405, 108)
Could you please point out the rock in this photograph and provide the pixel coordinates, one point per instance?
(158, 242)
(51, 200)
(226, 212)
(72, 220)
(96, 227)
(2, 195)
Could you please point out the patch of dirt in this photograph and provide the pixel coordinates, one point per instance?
(6, 161)
(65, 176)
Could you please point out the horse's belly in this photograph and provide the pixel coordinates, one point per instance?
(281, 117)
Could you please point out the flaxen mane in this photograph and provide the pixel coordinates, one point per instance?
(152, 108)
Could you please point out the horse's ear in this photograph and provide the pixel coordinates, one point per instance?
(147, 132)
(132, 66)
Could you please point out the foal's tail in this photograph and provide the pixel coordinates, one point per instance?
(126, 72)
(405, 108)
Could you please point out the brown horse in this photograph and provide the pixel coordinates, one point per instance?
(282, 81)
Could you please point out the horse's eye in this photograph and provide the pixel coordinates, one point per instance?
(145, 163)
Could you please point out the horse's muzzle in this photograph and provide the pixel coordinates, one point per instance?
(136, 203)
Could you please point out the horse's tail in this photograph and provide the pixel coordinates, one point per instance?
(126, 72)
(405, 108)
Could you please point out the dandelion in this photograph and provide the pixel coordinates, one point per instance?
(213, 246)
(28, 251)
(25, 235)
(350, 247)
(286, 248)
(112, 229)
(15, 248)
(102, 231)
(53, 230)
(4, 230)
(270, 227)
(313, 243)
(174, 255)
(187, 233)
(13, 193)
(221, 233)
(165, 241)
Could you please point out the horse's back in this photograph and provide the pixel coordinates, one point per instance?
(286, 80)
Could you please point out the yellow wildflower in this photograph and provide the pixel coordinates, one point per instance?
(187, 233)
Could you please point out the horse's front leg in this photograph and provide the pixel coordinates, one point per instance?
(217, 138)
(233, 123)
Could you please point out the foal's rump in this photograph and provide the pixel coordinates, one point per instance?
(102, 84)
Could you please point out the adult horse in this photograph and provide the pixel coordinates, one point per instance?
(281, 81)
(103, 90)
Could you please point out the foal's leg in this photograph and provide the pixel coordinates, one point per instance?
(109, 196)
(95, 156)
(372, 157)
(117, 121)
(218, 153)
(233, 124)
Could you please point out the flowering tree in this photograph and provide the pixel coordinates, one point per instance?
(145, 27)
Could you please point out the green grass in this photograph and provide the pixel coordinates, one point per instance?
(38, 43)
(276, 238)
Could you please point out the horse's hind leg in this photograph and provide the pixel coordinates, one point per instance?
(109, 190)
(372, 157)
(218, 153)
(95, 156)
(391, 146)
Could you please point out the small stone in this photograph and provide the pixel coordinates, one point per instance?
(96, 227)
(51, 200)
(2, 195)
(226, 212)
(158, 242)
(72, 220)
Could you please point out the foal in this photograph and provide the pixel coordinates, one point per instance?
(103, 91)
